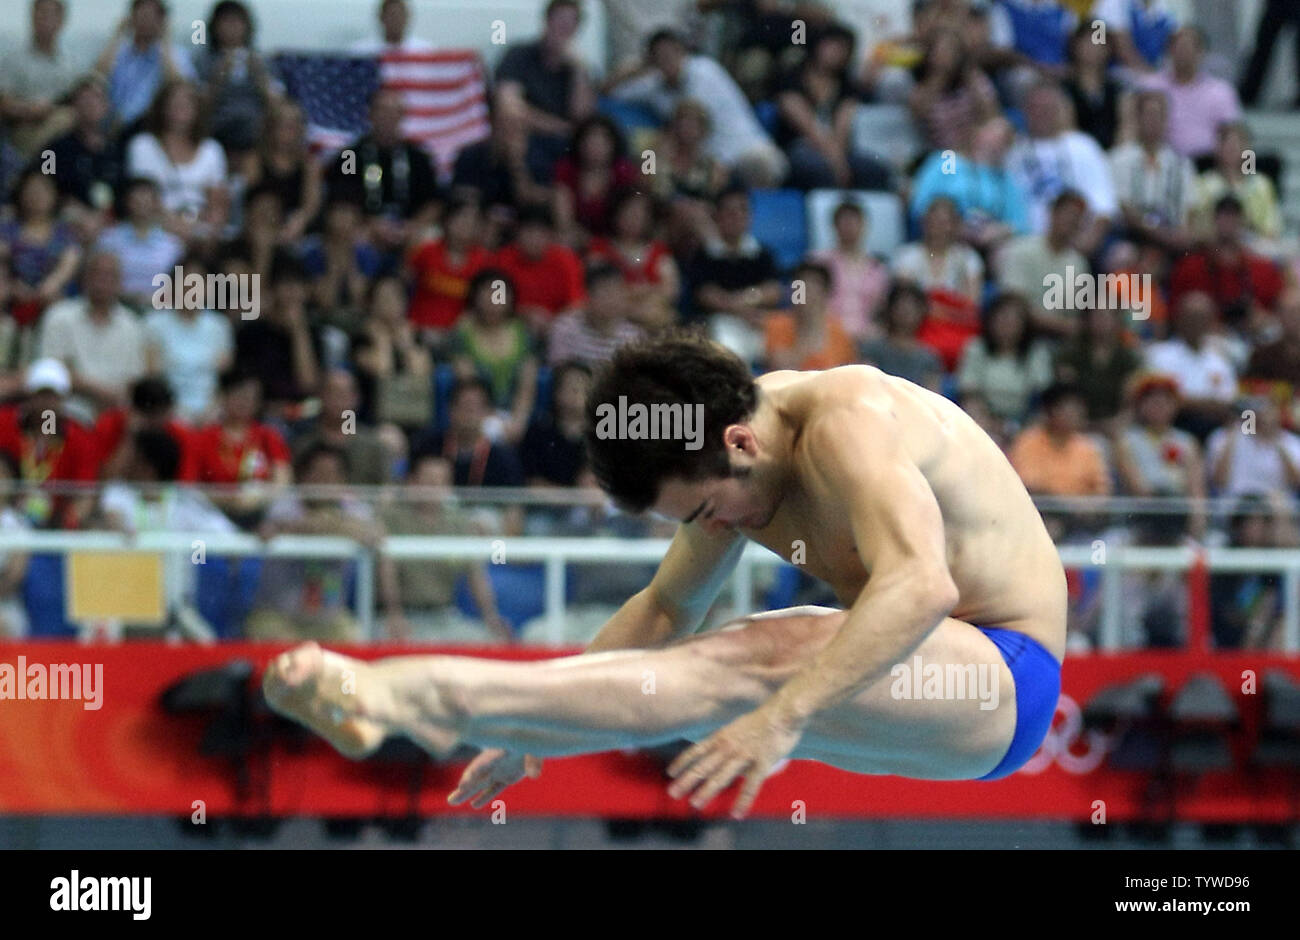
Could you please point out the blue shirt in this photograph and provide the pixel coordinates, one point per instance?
(136, 77)
(977, 190)
(1041, 31)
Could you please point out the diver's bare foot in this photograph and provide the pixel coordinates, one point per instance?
(331, 694)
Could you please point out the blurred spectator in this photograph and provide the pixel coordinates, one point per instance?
(391, 177)
(1053, 456)
(394, 20)
(1279, 360)
(151, 408)
(808, 337)
(553, 452)
(300, 599)
(443, 269)
(90, 162)
(1276, 17)
(1228, 176)
(991, 202)
(237, 86)
(1006, 364)
(686, 175)
(48, 445)
(496, 171)
(952, 96)
(237, 448)
(1156, 459)
(492, 343)
(1039, 30)
(859, 281)
(1155, 185)
(1246, 607)
(952, 275)
(1254, 455)
(341, 261)
(99, 339)
(191, 346)
(476, 460)
(13, 564)
(338, 425)
(592, 334)
(1099, 362)
(817, 104)
(546, 274)
(1198, 101)
(141, 245)
(1244, 285)
(733, 278)
(897, 351)
(36, 79)
(587, 177)
(648, 268)
(543, 90)
(280, 347)
(1053, 158)
(189, 167)
(1195, 360)
(1139, 30)
(1095, 95)
(1031, 263)
(140, 59)
(394, 371)
(42, 251)
(670, 75)
(426, 590)
(283, 165)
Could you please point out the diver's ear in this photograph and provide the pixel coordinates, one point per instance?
(740, 437)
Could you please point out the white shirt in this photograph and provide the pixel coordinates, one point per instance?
(183, 185)
(1204, 373)
(108, 353)
(1256, 466)
(961, 266)
(736, 130)
(1045, 167)
(190, 352)
(376, 45)
(1163, 189)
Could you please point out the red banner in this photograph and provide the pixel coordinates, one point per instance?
(128, 756)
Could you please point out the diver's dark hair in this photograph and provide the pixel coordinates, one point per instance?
(678, 367)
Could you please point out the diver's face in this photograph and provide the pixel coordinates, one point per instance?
(717, 503)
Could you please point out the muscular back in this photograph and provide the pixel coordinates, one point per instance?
(999, 554)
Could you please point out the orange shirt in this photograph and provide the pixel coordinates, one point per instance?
(1075, 469)
(781, 331)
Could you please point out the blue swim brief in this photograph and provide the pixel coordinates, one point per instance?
(1037, 675)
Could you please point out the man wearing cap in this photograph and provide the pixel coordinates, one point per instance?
(46, 444)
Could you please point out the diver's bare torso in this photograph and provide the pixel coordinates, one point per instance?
(1000, 557)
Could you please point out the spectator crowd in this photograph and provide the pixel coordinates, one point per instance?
(407, 322)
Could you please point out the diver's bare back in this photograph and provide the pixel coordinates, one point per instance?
(1006, 569)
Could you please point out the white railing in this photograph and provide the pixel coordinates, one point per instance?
(555, 553)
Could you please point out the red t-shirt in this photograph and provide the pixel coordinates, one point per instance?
(592, 211)
(440, 287)
(1250, 277)
(553, 282)
(71, 455)
(110, 429)
(218, 459)
(645, 272)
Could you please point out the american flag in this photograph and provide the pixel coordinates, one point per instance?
(445, 93)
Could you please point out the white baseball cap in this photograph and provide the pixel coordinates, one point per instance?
(48, 374)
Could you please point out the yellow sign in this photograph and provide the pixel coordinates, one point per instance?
(126, 586)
